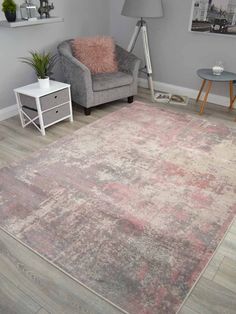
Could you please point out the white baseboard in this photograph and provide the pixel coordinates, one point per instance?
(12, 111)
(8, 112)
(192, 93)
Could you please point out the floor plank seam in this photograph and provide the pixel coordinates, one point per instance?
(23, 292)
(221, 262)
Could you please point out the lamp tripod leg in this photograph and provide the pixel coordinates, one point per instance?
(151, 86)
(141, 26)
(134, 37)
(147, 58)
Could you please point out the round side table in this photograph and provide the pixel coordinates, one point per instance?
(208, 77)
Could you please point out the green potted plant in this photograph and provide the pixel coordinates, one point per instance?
(9, 8)
(42, 63)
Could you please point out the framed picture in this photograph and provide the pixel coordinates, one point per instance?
(213, 17)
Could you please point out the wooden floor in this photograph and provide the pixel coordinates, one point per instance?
(30, 284)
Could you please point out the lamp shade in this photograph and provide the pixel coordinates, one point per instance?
(143, 8)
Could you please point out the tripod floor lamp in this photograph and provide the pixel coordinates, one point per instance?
(143, 9)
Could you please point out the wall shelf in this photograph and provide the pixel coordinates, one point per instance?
(22, 23)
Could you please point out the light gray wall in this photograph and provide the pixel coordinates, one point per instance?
(82, 18)
(176, 52)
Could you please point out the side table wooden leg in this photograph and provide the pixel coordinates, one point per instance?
(206, 97)
(231, 92)
(200, 91)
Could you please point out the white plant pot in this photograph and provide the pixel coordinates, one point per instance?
(44, 83)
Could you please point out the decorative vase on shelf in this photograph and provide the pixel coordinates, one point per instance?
(9, 8)
(44, 83)
(10, 16)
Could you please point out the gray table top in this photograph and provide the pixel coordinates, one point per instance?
(207, 74)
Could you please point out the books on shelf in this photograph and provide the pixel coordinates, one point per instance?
(172, 99)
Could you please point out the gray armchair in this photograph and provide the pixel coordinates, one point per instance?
(92, 90)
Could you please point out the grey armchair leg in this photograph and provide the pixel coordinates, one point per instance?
(130, 99)
(87, 111)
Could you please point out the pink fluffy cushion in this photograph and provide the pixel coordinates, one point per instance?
(97, 53)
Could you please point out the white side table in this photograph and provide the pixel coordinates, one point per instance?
(44, 107)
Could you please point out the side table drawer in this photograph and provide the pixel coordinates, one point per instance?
(54, 99)
(56, 114)
(28, 101)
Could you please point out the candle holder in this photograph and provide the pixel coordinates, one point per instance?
(28, 11)
(218, 69)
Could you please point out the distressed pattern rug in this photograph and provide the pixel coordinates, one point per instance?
(133, 205)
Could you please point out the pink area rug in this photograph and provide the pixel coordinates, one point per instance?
(133, 205)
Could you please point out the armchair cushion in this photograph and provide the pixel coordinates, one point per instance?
(97, 53)
(104, 81)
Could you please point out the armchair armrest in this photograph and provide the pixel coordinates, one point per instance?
(77, 75)
(127, 62)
